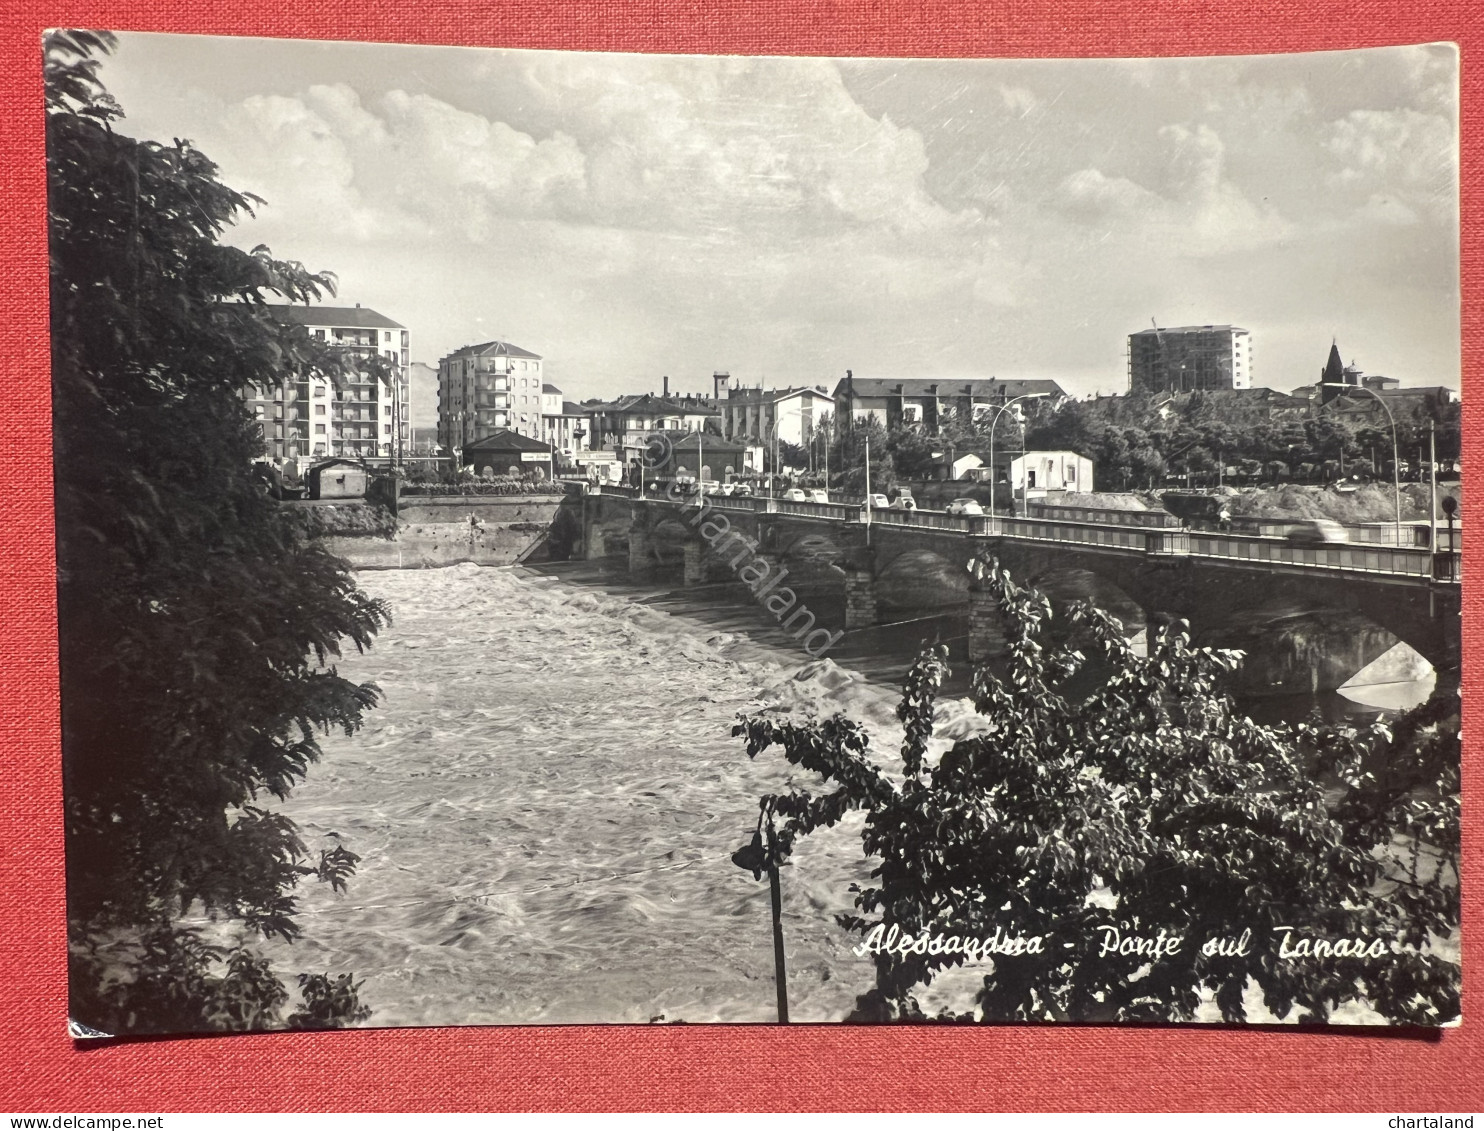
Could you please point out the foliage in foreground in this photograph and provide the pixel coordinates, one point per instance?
(1112, 792)
(198, 622)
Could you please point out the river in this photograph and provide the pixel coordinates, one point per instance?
(545, 806)
(546, 803)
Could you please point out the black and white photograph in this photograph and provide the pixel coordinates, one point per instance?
(554, 538)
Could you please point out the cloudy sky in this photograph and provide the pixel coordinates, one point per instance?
(633, 216)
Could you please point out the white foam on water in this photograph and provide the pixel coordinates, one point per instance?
(546, 804)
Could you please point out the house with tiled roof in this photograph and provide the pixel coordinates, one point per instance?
(757, 414)
(898, 402)
(625, 424)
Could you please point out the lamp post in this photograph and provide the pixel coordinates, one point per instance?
(1432, 486)
(1396, 461)
(1450, 508)
(993, 423)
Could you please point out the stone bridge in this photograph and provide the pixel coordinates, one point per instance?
(1366, 596)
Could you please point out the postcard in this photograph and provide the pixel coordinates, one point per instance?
(552, 538)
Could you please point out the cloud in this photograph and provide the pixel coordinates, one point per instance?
(1092, 195)
(788, 218)
(1405, 154)
(409, 165)
(739, 143)
(1192, 208)
(1194, 170)
(1387, 211)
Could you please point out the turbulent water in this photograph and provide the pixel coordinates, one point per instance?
(547, 800)
(545, 806)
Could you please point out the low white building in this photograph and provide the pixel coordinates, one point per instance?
(1033, 474)
(967, 466)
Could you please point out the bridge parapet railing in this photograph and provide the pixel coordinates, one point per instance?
(1447, 565)
(925, 520)
(1104, 516)
(722, 502)
(1341, 557)
(1402, 561)
(840, 512)
(745, 503)
(1077, 533)
(1387, 534)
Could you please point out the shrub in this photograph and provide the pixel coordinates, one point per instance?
(1108, 792)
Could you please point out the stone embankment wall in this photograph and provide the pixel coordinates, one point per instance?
(486, 530)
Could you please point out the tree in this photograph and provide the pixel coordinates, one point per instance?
(1148, 465)
(1200, 461)
(198, 622)
(883, 477)
(791, 456)
(912, 453)
(1113, 799)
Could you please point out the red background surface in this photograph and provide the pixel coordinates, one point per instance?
(746, 1067)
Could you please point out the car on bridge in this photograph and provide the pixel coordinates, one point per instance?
(876, 503)
(795, 495)
(818, 495)
(903, 502)
(1316, 531)
(965, 507)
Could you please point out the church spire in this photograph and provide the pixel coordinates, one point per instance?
(1334, 369)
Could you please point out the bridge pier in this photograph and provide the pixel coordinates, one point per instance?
(860, 593)
(641, 556)
(593, 547)
(986, 627)
(693, 555)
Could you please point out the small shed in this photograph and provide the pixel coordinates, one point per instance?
(338, 479)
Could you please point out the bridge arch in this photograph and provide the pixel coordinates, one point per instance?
(1067, 583)
(1164, 574)
(920, 581)
(1305, 646)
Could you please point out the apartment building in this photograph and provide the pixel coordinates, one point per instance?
(1184, 359)
(487, 387)
(564, 424)
(364, 417)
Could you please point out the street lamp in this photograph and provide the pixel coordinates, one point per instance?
(992, 424)
(1396, 462)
